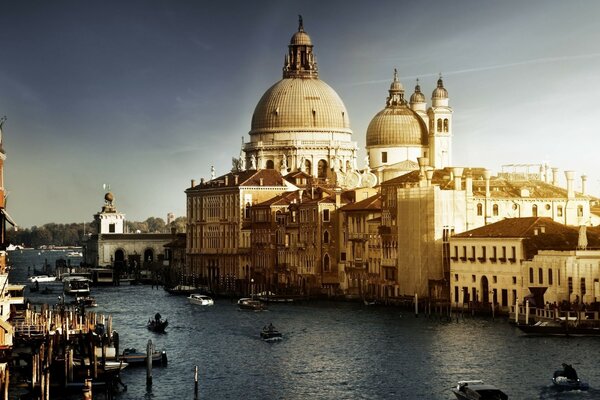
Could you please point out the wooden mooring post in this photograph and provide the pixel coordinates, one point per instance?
(196, 382)
(149, 363)
(87, 389)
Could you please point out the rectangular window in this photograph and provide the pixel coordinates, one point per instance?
(570, 284)
(326, 215)
(343, 256)
(514, 295)
(495, 279)
(456, 277)
(456, 294)
(514, 280)
(384, 156)
(474, 278)
(483, 256)
(550, 280)
(504, 298)
(111, 228)
(582, 287)
(473, 254)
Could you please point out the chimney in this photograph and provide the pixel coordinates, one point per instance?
(338, 197)
(202, 181)
(555, 176)
(583, 185)
(570, 190)
(300, 194)
(469, 183)
(193, 182)
(422, 180)
(236, 179)
(429, 175)
(226, 180)
(457, 171)
(486, 176)
(422, 164)
(260, 181)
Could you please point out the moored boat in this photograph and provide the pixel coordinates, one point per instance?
(134, 357)
(559, 328)
(477, 390)
(200, 299)
(76, 285)
(41, 278)
(247, 303)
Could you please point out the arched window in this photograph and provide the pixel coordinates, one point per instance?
(580, 211)
(550, 276)
(326, 237)
(530, 275)
(247, 211)
(541, 276)
(439, 125)
(534, 210)
(270, 164)
(559, 211)
(495, 210)
(308, 167)
(326, 262)
(479, 209)
(446, 125)
(322, 169)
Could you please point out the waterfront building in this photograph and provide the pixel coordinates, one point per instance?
(362, 274)
(218, 224)
(422, 209)
(403, 132)
(114, 247)
(518, 258)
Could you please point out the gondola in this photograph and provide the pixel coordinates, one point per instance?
(157, 326)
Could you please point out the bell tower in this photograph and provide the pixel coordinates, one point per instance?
(440, 128)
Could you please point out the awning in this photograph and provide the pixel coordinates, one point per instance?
(8, 217)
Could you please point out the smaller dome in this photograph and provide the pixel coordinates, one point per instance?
(440, 91)
(109, 197)
(417, 96)
(301, 38)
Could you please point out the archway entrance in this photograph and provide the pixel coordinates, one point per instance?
(322, 169)
(148, 255)
(270, 164)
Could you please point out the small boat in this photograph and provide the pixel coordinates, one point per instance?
(157, 325)
(86, 301)
(110, 366)
(75, 254)
(248, 303)
(201, 299)
(477, 390)
(41, 278)
(567, 379)
(76, 285)
(134, 357)
(269, 333)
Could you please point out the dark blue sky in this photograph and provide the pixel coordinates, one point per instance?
(146, 95)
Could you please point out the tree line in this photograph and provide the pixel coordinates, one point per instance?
(72, 234)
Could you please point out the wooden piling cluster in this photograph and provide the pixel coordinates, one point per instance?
(60, 343)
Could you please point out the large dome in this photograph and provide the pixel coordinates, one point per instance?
(299, 104)
(395, 127)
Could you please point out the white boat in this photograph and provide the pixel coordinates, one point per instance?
(41, 278)
(75, 254)
(76, 285)
(201, 299)
(477, 390)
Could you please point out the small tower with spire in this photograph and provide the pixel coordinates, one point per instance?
(440, 128)
(300, 62)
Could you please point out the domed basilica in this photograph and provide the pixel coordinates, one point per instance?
(301, 124)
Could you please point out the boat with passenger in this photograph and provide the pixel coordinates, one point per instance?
(247, 303)
(76, 285)
(269, 333)
(157, 324)
(201, 299)
(477, 390)
(567, 379)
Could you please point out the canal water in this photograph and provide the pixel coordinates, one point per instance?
(329, 350)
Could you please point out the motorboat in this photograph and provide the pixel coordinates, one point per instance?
(157, 325)
(76, 286)
(201, 299)
(75, 254)
(247, 303)
(567, 379)
(41, 278)
(114, 366)
(269, 333)
(477, 390)
(134, 357)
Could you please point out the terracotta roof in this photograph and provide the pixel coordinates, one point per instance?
(372, 203)
(538, 234)
(249, 178)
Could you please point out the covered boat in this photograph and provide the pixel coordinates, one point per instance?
(157, 325)
(567, 379)
(477, 390)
